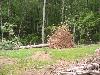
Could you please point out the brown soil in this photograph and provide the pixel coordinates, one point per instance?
(44, 71)
(5, 60)
(61, 38)
(60, 65)
(42, 56)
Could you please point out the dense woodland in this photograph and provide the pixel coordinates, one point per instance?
(22, 20)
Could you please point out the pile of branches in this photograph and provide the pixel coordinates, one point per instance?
(61, 38)
(90, 66)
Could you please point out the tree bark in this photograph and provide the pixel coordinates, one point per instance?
(43, 36)
(1, 20)
(33, 46)
(74, 33)
(63, 4)
(8, 3)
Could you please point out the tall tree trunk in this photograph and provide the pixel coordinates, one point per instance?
(74, 33)
(1, 20)
(8, 3)
(19, 32)
(63, 4)
(21, 21)
(43, 36)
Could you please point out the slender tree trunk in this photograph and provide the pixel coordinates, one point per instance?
(19, 32)
(74, 33)
(1, 20)
(8, 3)
(87, 2)
(43, 36)
(63, 4)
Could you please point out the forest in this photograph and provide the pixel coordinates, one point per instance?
(31, 21)
(49, 37)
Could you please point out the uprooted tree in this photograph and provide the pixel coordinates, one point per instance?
(62, 38)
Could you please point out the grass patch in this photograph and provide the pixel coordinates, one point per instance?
(37, 64)
(22, 53)
(74, 53)
(69, 53)
(24, 62)
(22, 66)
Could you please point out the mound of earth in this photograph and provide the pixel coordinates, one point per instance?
(61, 38)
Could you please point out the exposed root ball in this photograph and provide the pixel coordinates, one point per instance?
(61, 38)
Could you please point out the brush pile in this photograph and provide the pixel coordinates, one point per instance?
(89, 66)
(61, 38)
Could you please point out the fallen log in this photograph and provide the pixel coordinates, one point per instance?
(34, 46)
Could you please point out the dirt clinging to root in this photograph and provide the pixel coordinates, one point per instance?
(61, 38)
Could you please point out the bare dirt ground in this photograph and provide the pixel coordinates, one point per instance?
(41, 55)
(49, 70)
(5, 60)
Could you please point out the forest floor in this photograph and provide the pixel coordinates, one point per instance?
(41, 61)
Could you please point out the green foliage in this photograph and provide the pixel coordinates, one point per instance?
(10, 44)
(96, 37)
(30, 39)
(7, 27)
(50, 29)
(6, 45)
(85, 24)
(83, 15)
